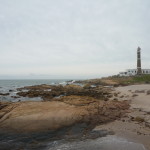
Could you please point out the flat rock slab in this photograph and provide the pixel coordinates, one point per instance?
(43, 116)
(33, 116)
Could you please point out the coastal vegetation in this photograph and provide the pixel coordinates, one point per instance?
(118, 80)
(140, 79)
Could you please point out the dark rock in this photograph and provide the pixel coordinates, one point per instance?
(139, 119)
(140, 91)
(68, 90)
(148, 92)
(132, 118)
(15, 96)
(11, 90)
(139, 133)
(115, 94)
(134, 95)
(4, 94)
(147, 124)
(122, 96)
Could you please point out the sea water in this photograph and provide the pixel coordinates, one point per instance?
(10, 86)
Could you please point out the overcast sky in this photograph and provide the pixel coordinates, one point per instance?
(72, 38)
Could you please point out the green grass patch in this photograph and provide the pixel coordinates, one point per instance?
(132, 79)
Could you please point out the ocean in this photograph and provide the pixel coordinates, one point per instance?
(10, 86)
(20, 83)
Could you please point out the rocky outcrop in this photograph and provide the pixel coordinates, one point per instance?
(59, 113)
(4, 94)
(47, 92)
(4, 108)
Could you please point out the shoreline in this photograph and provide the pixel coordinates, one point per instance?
(136, 125)
(132, 124)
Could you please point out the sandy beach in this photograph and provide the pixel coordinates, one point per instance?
(136, 125)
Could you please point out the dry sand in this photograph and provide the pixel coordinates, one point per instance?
(136, 125)
(138, 96)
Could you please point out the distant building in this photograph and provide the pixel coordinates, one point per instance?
(133, 72)
(139, 70)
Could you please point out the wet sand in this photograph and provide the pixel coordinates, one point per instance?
(104, 143)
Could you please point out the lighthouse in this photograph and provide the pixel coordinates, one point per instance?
(139, 70)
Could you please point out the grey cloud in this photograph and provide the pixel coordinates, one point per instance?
(56, 36)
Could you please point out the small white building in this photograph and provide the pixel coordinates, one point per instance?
(133, 72)
(139, 70)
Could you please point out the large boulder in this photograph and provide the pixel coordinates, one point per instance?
(60, 113)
